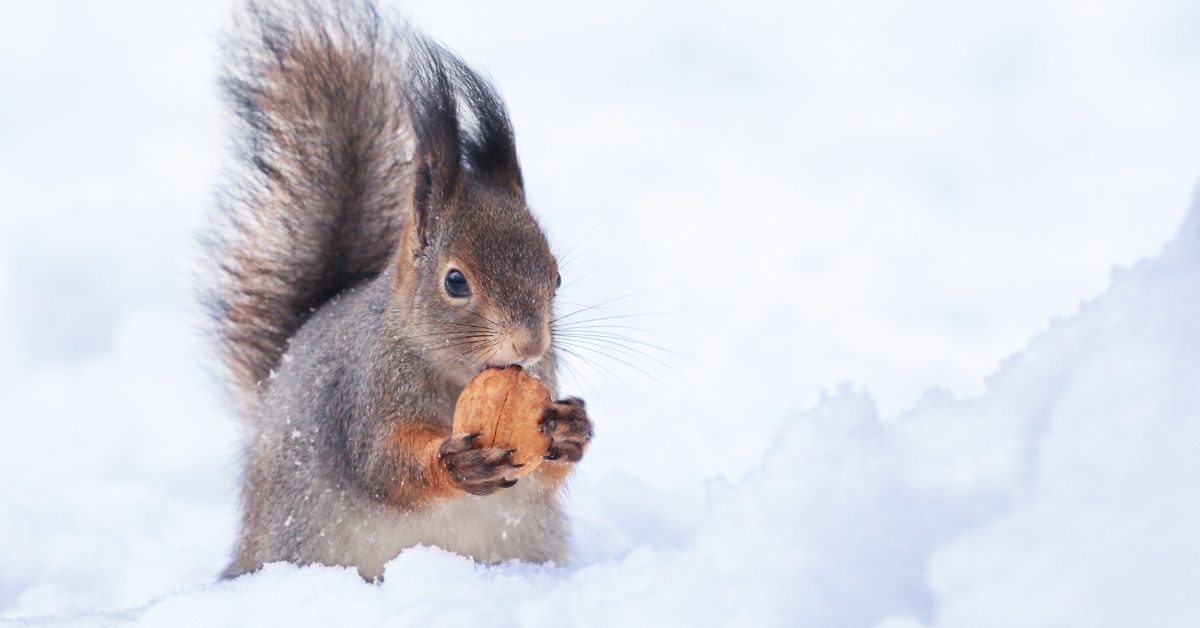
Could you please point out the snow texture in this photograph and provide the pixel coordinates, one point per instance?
(1063, 495)
(906, 252)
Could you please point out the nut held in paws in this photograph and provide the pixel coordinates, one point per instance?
(505, 405)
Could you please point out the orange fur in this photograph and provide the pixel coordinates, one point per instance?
(415, 446)
(555, 471)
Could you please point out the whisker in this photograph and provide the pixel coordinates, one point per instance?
(567, 254)
(440, 322)
(623, 316)
(478, 354)
(613, 300)
(472, 349)
(610, 356)
(476, 313)
(575, 373)
(608, 326)
(633, 352)
(467, 343)
(576, 279)
(585, 332)
(597, 365)
(452, 334)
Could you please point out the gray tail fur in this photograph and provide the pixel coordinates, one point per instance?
(316, 199)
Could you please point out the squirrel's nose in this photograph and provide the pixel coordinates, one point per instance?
(524, 346)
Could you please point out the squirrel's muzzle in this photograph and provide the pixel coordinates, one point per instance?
(521, 345)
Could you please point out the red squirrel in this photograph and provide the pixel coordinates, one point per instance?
(373, 251)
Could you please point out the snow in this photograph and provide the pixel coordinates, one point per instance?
(1004, 456)
(1063, 495)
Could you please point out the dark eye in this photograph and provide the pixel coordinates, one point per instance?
(456, 284)
(558, 282)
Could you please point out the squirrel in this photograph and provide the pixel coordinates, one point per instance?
(372, 252)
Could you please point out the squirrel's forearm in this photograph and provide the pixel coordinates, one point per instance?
(402, 466)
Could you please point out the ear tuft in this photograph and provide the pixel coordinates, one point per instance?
(433, 112)
(461, 126)
(489, 149)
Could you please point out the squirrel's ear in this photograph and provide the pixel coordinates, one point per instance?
(459, 119)
(433, 114)
(489, 148)
(433, 188)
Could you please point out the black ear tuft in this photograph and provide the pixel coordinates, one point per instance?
(489, 149)
(433, 111)
(461, 124)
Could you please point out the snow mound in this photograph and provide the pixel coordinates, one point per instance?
(1064, 495)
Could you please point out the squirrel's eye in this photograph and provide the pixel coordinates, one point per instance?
(558, 282)
(456, 284)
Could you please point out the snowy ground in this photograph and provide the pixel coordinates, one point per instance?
(896, 197)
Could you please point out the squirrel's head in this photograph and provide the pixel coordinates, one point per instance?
(476, 277)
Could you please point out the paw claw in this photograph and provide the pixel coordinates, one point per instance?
(473, 468)
(566, 423)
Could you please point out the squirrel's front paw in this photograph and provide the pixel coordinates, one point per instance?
(476, 469)
(566, 423)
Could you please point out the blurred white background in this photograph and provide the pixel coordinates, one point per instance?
(794, 194)
(891, 194)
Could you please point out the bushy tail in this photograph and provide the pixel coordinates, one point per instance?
(324, 153)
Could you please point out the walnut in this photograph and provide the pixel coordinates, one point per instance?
(505, 406)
